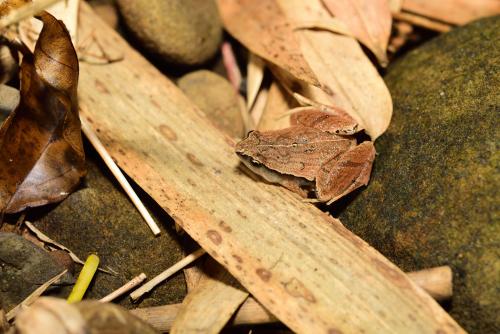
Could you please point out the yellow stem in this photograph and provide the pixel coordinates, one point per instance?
(84, 279)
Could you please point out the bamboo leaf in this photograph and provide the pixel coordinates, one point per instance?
(368, 20)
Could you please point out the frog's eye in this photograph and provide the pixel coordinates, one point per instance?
(254, 162)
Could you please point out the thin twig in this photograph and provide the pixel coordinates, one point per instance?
(33, 296)
(25, 12)
(422, 21)
(166, 274)
(54, 244)
(92, 137)
(125, 288)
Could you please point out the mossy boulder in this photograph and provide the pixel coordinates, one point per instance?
(186, 32)
(99, 218)
(215, 96)
(433, 198)
(23, 268)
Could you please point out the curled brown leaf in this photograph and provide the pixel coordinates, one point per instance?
(41, 151)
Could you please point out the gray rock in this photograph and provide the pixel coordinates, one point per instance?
(215, 96)
(433, 198)
(23, 268)
(99, 218)
(186, 32)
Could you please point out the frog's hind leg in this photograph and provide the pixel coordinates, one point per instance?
(345, 173)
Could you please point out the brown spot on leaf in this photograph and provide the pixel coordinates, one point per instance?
(100, 87)
(334, 331)
(167, 132)
(296, 288)
(264, 274)
(214, 236)
(225, 227)
(242, 215)
(194, 160)
(237, 258)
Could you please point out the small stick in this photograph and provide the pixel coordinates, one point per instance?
(437, 281)
(166, 274)
(125, 288)
(422, 21)
(253, 313)
(92, 137)
(34, 296)
(162, 317)
(25, 11)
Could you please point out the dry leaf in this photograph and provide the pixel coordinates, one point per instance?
(352, 82)
(453, 11)
(50, 315)
(34, 296)
(347, 78)
(8, 5)
(255, 74)
(368, 20)
(395, 5)
(66, 11)
(259, 106)
(211, 304)
(331, 24)
(41, 150)
(275, 114)
(264, 29)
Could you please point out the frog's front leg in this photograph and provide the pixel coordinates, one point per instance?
(345, 173)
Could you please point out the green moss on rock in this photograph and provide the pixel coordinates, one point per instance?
(186, 32)
(433, 198)
(99, 218)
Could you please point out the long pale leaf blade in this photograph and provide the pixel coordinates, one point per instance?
(453, 11)
(352, 82)
(368, 20)
(263, 28)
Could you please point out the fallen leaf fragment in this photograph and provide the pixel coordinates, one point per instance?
(368, 20)
(275, 115)
(53, 315)
(264, 29)
(34, 296)
(255, 75)
(41, 151)
(213, 302)
(457, 12)
(348, 79)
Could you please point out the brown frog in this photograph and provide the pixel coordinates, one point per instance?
(316, 154)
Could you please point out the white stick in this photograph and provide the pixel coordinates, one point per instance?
(166, 274)
(125, 288)
(92, 137)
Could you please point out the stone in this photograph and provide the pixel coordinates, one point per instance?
(23, 268)
(185, 32)
(433, 198)
(99, 218)
(215, 96)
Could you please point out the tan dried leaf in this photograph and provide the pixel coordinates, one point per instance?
(368, 20)
(453, 11)
(349, 80)
(264, 29)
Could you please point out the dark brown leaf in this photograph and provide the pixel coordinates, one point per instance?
(41, 151)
